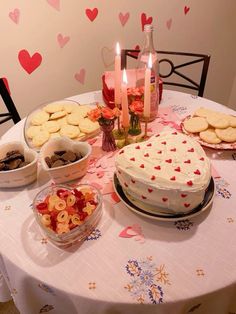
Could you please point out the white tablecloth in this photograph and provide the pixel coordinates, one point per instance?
(129, 264)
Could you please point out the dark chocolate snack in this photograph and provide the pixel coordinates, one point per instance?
(62, 158)
(13, 160)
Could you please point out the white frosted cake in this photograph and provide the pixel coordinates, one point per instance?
(170, 171)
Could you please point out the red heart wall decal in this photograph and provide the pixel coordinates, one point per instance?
(186, 9)
(92, 14)
(145, 20)
(28, 63)
(80, 76)
(123, 18)
(15, 15)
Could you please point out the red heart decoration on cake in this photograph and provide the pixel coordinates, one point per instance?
(153, 178)
(159, 152)
(183, 195)
(132, 180)
(143, 197)
(197, 172)
(191, 150)
(164, 143)
(157, 167)
(186, 205)
(150, 190)
(190, 183)
(173, 150)
(202, 158)
(137, 147)
(164, 199)
(184, 142)
(123, 18)
(149, 145)
(186, 9)
(187, 161)
(173, 178)
(145, 20)
(177, 169)
(132, 159)
(169, 161)
(92, 14)
(142, 166)
(146, 155)
(28, 63)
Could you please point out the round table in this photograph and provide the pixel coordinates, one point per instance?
(129, 264)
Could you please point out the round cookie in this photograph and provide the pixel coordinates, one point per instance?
(61, 121)
(69, 107)
(39, 118)
(58, 114)
(70, 131)
(82, 110)
(33, 130)
(232, 121)
(51, 126)
(202, 112)
(228, 135)
(87, 126)
(195, 124)
(209, 136)
(54, 135)
(218, 121)
(40, 138)
(74, 118)
(53, 107)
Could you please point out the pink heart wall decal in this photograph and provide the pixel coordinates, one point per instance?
(15, 15)
(186, 9)
(80, 76)
(108, 56)
(92, 14)
(55, 4)
(62, 40)
(123, 18)
(169, 23)
(28, 63)
(145, 20)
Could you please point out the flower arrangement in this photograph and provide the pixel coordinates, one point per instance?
(135, 93)
(136, 107)
(103, 115)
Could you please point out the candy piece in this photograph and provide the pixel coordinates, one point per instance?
(62, 228)
(46, 220)
(71, 199)
(62, 216)
(75, 219)
(60, 205)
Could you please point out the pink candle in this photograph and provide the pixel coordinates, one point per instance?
(124, 102)
(147, 90)
(117, 76)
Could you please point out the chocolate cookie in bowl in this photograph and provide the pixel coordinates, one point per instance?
(64, 159)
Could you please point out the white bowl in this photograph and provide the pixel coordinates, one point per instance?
(21, 176)
(71, 171)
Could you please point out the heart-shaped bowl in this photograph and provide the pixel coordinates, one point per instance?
(67, 215)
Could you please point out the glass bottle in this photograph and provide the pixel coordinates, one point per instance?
(142, 65)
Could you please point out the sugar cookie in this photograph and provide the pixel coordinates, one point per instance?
(61, 121)
(40, 138)
(195, 124)
(58, 114)
(70, 131)
(82, 110)
(39, 118)
(54, 135)
(69, 107)
(232, 121)
(209, 136)
(81, 135)
(53, 107)
(228, 135)
(88, 126)
(74, 118)
(202, 112)
(51, 126)
(32, 131)
(218, 121)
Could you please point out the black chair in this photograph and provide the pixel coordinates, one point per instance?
(6, 97)
(192, 58)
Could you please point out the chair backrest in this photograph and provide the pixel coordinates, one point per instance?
(176, 68)
(10, 106)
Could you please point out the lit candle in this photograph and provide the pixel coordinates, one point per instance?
(147, 91)
(124, 102)
(117, 76)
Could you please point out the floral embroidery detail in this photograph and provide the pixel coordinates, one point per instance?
(234, 156)
(46, 288)
(230, 220)
(94, 235)
(185, 224)
(200, 272)
(221, 190)
(146, 277)
(92, 285)
(46, 308)
(13, 291)
(179, 109)
(194, 96)
(44, 240)
(195, 307)
(7, 207)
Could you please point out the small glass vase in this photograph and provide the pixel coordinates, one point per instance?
(108, 140)
(135, 125)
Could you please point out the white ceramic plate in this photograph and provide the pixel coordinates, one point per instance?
(158, 213)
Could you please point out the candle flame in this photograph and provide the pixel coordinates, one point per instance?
(117, 49)
(150, 61)
(125, 80)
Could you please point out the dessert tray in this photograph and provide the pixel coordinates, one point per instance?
(71, 107)
(160, 213)
(222, 145)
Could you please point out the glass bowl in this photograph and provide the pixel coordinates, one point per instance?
(74, 233)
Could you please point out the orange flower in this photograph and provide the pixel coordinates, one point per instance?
(107, 113)
(136, 107)
(94, 114)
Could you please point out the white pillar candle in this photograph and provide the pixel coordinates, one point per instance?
(117, 76)
(124, 102)
(147, 90)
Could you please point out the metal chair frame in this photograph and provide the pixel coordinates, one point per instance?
(198, 86)
(12, 113)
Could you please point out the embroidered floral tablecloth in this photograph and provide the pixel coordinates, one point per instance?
(129, 264)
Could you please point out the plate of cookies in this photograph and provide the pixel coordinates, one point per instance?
(58, 119)
(211, 128)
